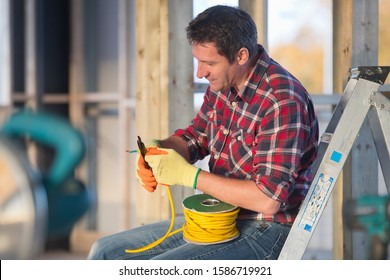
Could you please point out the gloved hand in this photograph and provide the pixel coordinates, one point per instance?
(170, 168)
(145, 175)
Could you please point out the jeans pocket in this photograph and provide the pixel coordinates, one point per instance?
(265, 239)
(263, 226)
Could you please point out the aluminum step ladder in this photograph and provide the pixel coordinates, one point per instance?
(360, 99)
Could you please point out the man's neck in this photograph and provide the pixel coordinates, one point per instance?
(247, 71)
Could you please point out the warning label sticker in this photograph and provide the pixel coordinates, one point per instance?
(316, 202)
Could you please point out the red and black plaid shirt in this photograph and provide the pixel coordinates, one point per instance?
(267, 132)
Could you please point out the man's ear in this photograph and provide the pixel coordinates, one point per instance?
(242, 56)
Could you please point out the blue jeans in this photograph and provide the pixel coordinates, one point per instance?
(257, 241)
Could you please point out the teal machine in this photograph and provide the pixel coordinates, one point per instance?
(371, 214)
(37, 206)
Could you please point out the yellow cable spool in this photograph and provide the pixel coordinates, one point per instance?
(208, 221)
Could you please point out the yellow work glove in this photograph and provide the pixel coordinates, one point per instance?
(145, 175)
(170, 168)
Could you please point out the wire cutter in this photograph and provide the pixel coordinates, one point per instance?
(143, 151)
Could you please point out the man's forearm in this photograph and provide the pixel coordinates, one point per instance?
(242, 193)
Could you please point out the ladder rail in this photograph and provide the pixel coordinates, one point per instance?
(334, 148)
(379, 118)
(332, 125)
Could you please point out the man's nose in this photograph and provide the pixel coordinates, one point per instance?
(201, 71)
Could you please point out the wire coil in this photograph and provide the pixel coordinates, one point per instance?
(206, 228)
(207, 221)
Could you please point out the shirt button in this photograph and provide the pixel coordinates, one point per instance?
(216, 156)
(239, 138)
(225, 132)
(234, 103)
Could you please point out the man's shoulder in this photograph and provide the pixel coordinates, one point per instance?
(280, 78)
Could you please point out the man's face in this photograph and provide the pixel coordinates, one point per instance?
(214, 67)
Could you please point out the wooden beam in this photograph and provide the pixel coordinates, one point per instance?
(151, 94)
(5, 54)
(181, 79)
(258, 9)
(361, 177)
(127, 137)
(77, 66)
(30, 54)
(355, 42)
(342, 53)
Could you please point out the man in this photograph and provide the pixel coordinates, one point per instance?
(258, 125)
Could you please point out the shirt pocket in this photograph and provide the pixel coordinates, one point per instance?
(241, 154)
(215, 127)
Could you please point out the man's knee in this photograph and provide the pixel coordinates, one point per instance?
(97, 250)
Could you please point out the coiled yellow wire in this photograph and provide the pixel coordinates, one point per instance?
(210, 227)
(202, 228)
